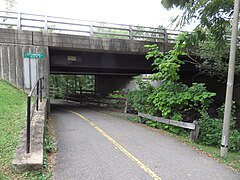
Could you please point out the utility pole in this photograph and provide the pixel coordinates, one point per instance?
(230, 82)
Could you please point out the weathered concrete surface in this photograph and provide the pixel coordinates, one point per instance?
(87, 43)
(14, 43)
(108, 83)
(33, 160)
(11, 36)
(12, 68)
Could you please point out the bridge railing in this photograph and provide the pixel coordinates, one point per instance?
(53, 24)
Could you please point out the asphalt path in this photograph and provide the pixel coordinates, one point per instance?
(93, 145)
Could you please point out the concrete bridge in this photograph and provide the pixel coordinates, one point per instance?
(72, 46)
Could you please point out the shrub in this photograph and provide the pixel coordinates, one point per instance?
(211, 130)
(139, 98)
(174, 99)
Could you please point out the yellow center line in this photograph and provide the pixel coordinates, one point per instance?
(120, 147)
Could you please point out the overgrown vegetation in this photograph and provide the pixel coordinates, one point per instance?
(60, 83)
(12, 121)
(175, 100)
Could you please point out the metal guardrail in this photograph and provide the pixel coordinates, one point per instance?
(38, 87)
(36, 22)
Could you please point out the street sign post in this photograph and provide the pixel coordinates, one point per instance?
(34, 55)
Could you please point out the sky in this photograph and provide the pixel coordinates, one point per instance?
(134, 12)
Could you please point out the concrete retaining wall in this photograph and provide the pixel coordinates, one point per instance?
(33, 160)
(15, 69)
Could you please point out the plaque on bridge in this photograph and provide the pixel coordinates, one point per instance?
(34, 55)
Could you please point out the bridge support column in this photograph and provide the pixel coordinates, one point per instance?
(109, 83)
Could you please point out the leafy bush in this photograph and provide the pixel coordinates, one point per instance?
(234, 140)
(139, 98)
(173, 99)
(211, 130)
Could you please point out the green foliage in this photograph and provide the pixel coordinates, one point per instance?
(59, 84)
(117, 94)
(49, 145)
(173, 99)
(234, 140)
(139, 98)
(12, 121)
(148, 34)
(166, 65)
(214, 15)
(211, 130)
(108, 32)
(209, 57)
(210, 41)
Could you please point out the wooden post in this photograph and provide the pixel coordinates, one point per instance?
(66, 93)
(194, 133)
(75, 84)
(126, 106)
(81, 98)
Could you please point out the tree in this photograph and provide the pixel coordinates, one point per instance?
(10, 4)
(210, 41)
(215, 15)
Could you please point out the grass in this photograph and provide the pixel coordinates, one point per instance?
(12, 121)
(232, 160)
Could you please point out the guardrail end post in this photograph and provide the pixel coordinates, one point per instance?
(126, 106)
(194, 133)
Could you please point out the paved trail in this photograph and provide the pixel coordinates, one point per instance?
(92, 145)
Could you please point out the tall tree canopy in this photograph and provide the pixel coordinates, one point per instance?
(209, 39)
(214, 15)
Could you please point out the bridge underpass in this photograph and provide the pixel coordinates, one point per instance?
(112, 71)
(92, 145)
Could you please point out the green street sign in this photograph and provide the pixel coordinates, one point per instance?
(34, 55)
